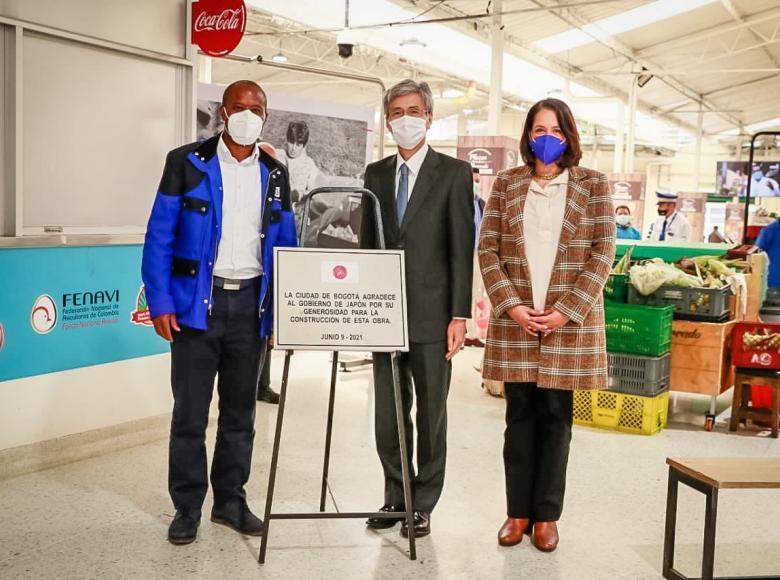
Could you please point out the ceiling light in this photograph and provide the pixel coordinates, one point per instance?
(412, 43)
(279, 56)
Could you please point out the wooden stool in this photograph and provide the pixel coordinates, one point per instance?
(709, 476)
(740, 409)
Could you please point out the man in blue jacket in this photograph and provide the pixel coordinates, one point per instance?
(222, 206)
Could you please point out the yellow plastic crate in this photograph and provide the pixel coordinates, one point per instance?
(621, 412)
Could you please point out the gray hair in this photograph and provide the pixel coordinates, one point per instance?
(406, 87)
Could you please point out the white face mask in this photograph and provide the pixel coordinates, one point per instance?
(244, 127)
(408, 131)
(623, 219)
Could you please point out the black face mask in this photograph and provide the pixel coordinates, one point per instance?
(663, 212)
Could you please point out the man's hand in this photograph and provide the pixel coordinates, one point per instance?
(550, 320)
(456, 337)
(523, 315)
(165, 324)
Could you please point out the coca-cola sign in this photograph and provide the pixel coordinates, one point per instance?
(218, 25)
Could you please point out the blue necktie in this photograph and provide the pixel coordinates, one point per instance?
(662, 237)
(402, 197)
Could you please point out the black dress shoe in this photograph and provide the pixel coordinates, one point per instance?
(184, 527)
(236, 515)
(422, 525)
(384, 523)
(267, 395)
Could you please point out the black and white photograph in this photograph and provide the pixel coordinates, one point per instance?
(319, 151)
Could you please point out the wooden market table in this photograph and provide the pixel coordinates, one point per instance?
(709, 475)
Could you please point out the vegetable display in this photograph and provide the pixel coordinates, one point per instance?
(762, 339)
(700, 272)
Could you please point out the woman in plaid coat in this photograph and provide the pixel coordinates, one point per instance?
(546, 248)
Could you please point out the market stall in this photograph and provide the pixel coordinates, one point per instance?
(670, 313)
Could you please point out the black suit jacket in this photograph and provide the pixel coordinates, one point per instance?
(437, 235)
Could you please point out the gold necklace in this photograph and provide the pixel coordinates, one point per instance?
(547, 176)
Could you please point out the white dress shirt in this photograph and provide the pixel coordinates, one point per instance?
(414, 163)
(542, 223)
(238, 253)
(678, 228)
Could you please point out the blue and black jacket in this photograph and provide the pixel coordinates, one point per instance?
(184, 230)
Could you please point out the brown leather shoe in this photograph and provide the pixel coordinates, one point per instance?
(545, 536)
(511, 533)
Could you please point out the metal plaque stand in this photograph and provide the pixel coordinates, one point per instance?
(322, 514)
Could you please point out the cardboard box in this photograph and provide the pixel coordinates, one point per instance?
(701, 357)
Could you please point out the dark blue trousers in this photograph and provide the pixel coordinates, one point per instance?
(232, 350)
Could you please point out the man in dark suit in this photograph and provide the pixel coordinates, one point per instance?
(427, 210)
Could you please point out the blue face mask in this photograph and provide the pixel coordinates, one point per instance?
(548, 148)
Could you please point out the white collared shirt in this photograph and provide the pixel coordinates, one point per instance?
(678, 228)
(414, 163)
(238, 254)
(542, 224)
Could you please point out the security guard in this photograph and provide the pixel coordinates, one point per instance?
(671, 226)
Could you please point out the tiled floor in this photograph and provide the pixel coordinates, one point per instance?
(107, 517)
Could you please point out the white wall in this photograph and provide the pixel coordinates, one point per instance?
(48, 406)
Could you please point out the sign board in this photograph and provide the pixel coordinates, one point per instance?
(218, 25)
(340, 300)
(70, 307)
(489, 154)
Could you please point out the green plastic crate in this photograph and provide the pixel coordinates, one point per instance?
(644, 330)
(616, 288)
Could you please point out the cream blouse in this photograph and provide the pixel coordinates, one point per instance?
(542, 223)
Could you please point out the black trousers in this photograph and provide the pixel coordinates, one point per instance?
(265, 370)
(231, 349)
(536, 450)
(424, 373)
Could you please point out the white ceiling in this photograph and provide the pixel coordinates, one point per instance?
(722, 56)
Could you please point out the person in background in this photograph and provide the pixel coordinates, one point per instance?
(479, 205)
(769, 241)
(207, 267)
(427, 203)
(717, 237)
(545, 251)
(763, 184)
(264, 391)
(472, 327)
(302, 169)
(625, 231)
(671, 225)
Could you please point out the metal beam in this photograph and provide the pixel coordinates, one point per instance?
(496, 71)
(697, 37)
(529, 53)
(736, 87)
(572, 18)
(731, 9)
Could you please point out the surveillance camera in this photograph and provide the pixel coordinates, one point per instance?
(346, 43)
(345, 50)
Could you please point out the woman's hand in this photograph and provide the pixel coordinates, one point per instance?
(523, 315)
(549, 320)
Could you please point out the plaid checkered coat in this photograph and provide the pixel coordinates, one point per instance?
(574, 356)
